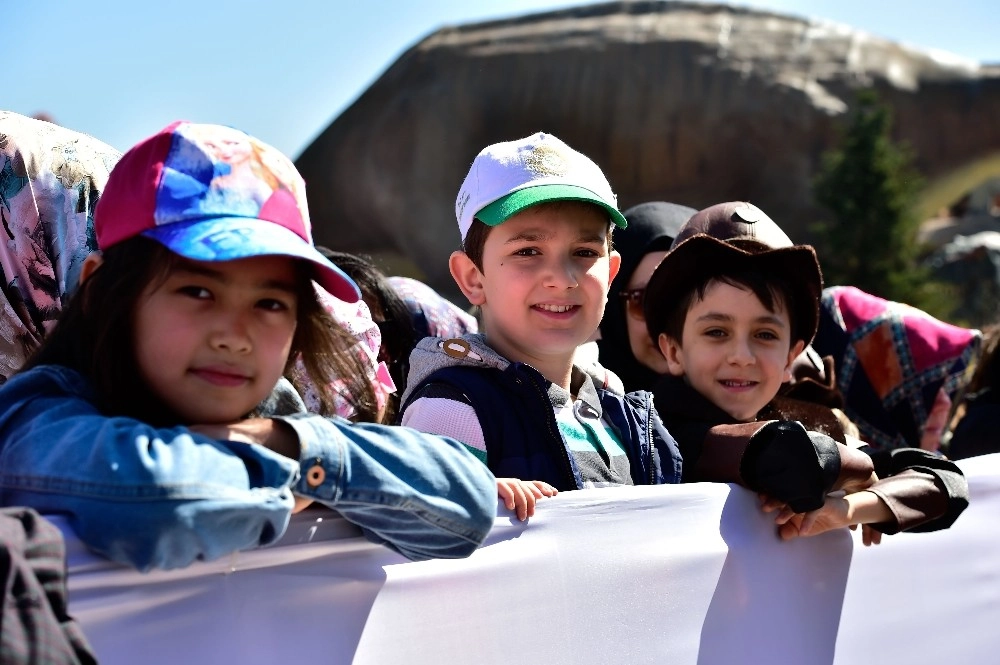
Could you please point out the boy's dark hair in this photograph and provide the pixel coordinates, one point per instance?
(389, 312)
(475, 238)
(95, 336)
(773, 292)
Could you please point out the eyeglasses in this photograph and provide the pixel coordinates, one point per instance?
(633, 302)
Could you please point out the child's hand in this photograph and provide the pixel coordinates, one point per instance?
(837, 512)
(832, 515)
(521, 495)
(869, 536)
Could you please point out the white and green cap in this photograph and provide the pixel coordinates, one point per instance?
(505, 178)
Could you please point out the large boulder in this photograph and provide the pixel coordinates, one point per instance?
(690, 103)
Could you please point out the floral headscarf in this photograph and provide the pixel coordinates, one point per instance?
(50, 180)
(357, 320)
(433, 315)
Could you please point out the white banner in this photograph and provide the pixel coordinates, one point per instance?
(684, 574)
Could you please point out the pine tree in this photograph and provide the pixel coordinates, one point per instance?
(869, 186)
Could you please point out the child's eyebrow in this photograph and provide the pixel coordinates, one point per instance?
(714, 316)
(593, 238)
(773, 320)
(530, 235)
(218, 276)
(537, 235)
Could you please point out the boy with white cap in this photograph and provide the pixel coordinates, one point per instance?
(536, 219)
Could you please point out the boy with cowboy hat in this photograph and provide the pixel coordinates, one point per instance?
(731, 306)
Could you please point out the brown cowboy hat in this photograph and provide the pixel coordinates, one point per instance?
(737, 236)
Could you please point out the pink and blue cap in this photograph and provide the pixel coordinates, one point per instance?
(213, 193)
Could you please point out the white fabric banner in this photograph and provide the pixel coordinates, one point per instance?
(685, 574)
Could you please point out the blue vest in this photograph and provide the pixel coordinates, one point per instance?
(522, 437)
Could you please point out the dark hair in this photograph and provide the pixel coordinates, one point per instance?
(475, 237)
(390, 313)
(95, 336)
(772, 291)
(987, 371)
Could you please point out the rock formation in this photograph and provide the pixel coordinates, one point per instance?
(689, 103)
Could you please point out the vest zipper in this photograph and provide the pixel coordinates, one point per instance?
(649, 438)
(550, 420)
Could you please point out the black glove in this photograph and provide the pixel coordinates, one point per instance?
(786, 462)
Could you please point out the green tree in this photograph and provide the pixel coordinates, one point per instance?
(869, 186)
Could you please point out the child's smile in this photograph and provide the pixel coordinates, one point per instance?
(213, 338)
(734, 351)
(545, 282)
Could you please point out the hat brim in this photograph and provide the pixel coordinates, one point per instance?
(700, 257)
(507, 206)
(232, 238)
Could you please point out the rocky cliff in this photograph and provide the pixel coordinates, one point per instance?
(689, 103)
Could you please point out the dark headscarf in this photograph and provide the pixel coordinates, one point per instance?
(651, 227)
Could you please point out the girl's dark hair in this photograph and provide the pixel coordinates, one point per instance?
(773, 292)
(95, 336)
(390, 313)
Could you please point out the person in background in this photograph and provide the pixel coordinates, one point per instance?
(51, 179)
(978, 413)
(898, 368)
(404, 311)
(433, 315)
(625, 346)
(147, 416)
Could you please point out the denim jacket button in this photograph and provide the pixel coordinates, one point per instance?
(315, 476)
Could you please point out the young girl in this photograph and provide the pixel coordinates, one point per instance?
(143, 417)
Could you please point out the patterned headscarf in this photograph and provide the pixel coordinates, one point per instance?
(356, 318)
(891, 361)
(432, 314)
(50, 181)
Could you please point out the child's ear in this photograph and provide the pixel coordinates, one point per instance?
(467, 276)
(615, 263)
(90, 264)
(793, 353)
(671, 350)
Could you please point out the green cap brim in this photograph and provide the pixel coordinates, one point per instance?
(507, 206)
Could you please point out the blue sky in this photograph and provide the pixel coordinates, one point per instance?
(283, 70)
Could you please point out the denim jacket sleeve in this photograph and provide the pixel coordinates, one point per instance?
(423, 495)
(162, 498)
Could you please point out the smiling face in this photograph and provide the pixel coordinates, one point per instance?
(733, 350)
(212, 339)
(543, 284)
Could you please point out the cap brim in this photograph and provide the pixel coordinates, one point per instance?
(232, 238)
(701, 256)
(507, 206)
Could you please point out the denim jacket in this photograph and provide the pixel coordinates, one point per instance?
(163, 498)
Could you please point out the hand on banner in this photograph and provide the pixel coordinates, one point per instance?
(837, 512)
(521, 495)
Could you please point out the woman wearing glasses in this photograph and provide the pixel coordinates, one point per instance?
(625, 345)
